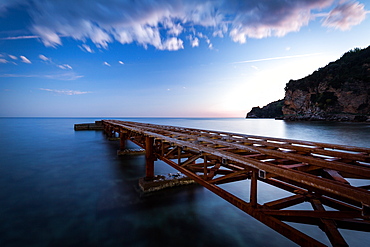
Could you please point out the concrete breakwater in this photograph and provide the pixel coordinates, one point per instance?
(98, 125)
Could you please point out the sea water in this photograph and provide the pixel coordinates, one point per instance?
(60, 187)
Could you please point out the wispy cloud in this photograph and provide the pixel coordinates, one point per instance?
(277, 58)
(25, 60)
(64, 92)
(19, 75)
(2, 60)
(63, 77)
(107, 64)
(161, 23)
(120, 62)
(44, 58)
(65, 66)
(194, 41)
(50, 61)
(20, 37)
(345, 15)
(87, 48)
(13, 57)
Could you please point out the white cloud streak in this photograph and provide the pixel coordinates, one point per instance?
(49, 61)
(64, 66)
(86, 48)
(277, 58)
(13, 57)
(70, 76)
(42, 57)
(25, 60)
(107, 64)
(65, 92)
(20, 37)
(160, 23)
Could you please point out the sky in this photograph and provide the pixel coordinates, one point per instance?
(166, 58)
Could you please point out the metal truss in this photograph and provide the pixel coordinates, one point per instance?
(312, 172)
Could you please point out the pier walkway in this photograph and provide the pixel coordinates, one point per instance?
(317, 173)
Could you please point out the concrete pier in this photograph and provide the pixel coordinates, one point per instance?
(98, 125)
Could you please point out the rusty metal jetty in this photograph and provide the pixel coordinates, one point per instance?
(318, 173)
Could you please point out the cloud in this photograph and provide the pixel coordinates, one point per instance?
(172, 44)
(277, 58)
(64, 66)
(49, 61)
(65, 92)
(107, 64)
(13, 57)
(345, 15)
(194, 41)
(120, 62)
(18, 75)
(42, 57)
(2, 60)
(161, 23)
(87, 48)
(25, 60)
(70, 76)
(48, 36)
(20, 37)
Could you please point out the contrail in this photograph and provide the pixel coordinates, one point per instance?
(20, 37)
(277, 58)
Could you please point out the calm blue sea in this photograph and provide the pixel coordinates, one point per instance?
(59, 187)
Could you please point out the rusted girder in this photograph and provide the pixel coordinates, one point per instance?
(299, 167)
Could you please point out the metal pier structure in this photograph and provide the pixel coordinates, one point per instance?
(317, 173)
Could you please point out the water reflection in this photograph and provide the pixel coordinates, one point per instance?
(353, 134)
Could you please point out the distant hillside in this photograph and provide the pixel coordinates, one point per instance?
(339, 91)
(272, 110)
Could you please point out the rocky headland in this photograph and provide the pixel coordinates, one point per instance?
(271, 110)
(337, 92)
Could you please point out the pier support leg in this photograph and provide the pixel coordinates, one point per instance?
(105, 127)
(109, 131)
(253, 189)
(149, 156)
(122, 141)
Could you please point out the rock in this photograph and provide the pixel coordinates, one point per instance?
(338, 92)
(272, 110)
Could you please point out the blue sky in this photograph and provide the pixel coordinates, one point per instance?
(168, 58)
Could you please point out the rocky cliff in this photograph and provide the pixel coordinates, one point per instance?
(272, 110)
(339, 91)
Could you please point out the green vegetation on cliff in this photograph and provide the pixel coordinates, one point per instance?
(272, 110)
(352, 67)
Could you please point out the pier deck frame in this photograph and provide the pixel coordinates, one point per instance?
(311, 171)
